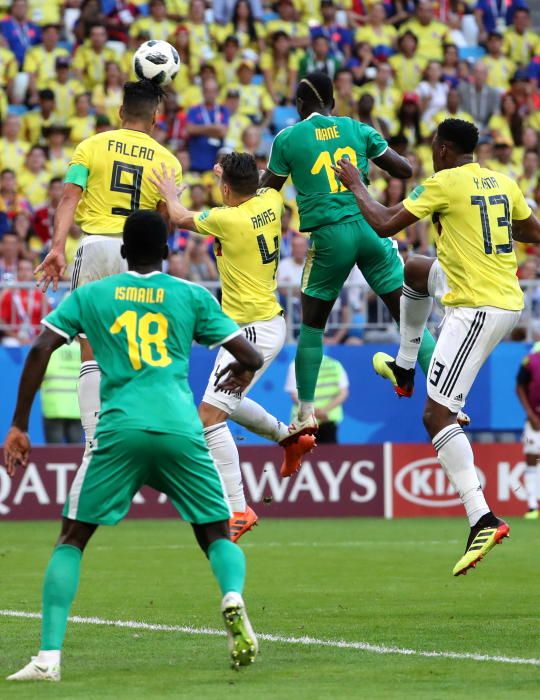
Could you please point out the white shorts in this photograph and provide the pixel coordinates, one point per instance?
(437, 283)
(531, 440)
(268, 337)
(97, 257)
(467, 338)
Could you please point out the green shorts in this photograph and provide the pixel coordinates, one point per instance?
(121, 463)
(336, 249)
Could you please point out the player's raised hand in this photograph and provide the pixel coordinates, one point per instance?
(237, 378)
(51, 269)
(347, 173)
(165, 182)
(16, 450)
(218, 170)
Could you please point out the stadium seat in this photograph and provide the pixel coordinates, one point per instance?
(283, 117)
(19, 110)
(471, 53)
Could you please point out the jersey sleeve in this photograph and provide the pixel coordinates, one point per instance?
(427, 199)
(66, 318)
(208, 222)
(213, 326)
(79, 167)
(278, 163)
(376, 145)
(520, 209)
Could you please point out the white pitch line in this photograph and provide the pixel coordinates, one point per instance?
(301, 641)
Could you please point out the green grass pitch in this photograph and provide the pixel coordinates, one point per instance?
(385, 583)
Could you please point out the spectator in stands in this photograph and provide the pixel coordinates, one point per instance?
(450, 65)
(199, 264)
(255, 102)
(500, 68)
(484, 151)
(156, 24)
(502, 158)
(331, 392)
(287, 22)
(238, 122)
(433, 93)
(407, 65)
(59, 401)
(319, 58)
(380, 35)
(90, 58)
(21, 310)
(107, 98)
(9, 257)
(495, 15)
(452, 110)
(206, 126)
(287, 232)
(119, 19)
(507, 125)
(34, 178)
(279, 65)
(431, 34)
(244, 26)
(362, 63)
(529, 179)
(226, 64)
(387, 97)
(224, 10)
(64, 88)
(366, 105)
(408, 117)
(83, 123)
(520, 42)
(59, 155)
(345, 93)
(289, 277)
(90, 15)
(11, 202)
(18, 31)
(177, 266)
(13, 148)
(43, 218)
(340, 37)
(252, 140)
(40, 60)
(37, 119)
(477, 98)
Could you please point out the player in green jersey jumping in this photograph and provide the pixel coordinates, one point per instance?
(340, 235)
(141, 325)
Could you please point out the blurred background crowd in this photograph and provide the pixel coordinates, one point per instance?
(402, 66)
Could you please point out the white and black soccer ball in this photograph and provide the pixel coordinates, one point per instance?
(156, 60)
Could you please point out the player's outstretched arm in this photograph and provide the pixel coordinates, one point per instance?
(526, 230)
(270, 179)
(165, 182)
(54, 265)
(394, 164)
(386, 221)
(238, 375)
(17, 443)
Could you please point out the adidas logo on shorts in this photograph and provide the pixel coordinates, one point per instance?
(417, 341)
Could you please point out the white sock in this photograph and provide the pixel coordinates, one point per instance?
(256, 419)
(227, 460)
(89, 401)
(531, 486)
(415, 308)
(305, 409)
(456, 457)
(49, 657)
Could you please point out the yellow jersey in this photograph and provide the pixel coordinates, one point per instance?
(33, 122)
(407, 71)
(473, 208)
(520, 48)
(383, 36)
(431, 38)
(91, 64)
(13, 154)
(247, 253)
(112, 169)
(34, 186)
(41, 62)
(64, 96)
(8, 66)
(500, 70)
(157, 30)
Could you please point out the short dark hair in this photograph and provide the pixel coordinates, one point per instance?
(240, 172)
(144, 237)
(141, 99)
(46, 94)
(55, 180)
(461, 134)
(316, 89)
(7, 171)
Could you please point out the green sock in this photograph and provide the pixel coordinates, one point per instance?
(228, 564)
(59, 590)
(426, 351)
(309, 354)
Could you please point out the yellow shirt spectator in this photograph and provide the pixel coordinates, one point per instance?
(500, 70)
(34, 186)
(64, 94)
(157, 30)
(92, 64)
(13, 154)
(58, 163)
(238, 123)
(520, 47)
(385, 35)
(407, 71)
(108, 102)
(254, 100)
(190, 97)
(500, 128)
(226, 70)
(202, 40)
(439, 117)
(81, 128)
(8, 66)
(387, 101)
(295, 30)
(280, 73)
(33, 123)
(45, 11)
(431, 38)
(41, 63)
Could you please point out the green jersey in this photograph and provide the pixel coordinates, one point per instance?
(307, 151)
(141, 328)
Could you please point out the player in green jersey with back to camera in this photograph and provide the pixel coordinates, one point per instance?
(142, 344)
(340, 236)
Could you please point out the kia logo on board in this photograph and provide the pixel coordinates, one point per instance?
(425, 483)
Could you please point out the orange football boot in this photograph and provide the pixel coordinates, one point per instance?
(294, 451)
(240, 523)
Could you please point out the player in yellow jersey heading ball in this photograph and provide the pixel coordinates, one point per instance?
(247, 235)
(478, 213)
(108, 178)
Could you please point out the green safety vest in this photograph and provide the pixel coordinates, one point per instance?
(59, 388)
(330, 375)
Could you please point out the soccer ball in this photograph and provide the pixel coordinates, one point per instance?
(156, 60)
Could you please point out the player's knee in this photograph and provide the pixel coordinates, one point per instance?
(75, 533)
(416, 272)
(210, 415)
(211, 532)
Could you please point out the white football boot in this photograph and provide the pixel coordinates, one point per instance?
(243, 645)
(37, 671)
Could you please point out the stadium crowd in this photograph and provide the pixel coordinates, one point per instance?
(402, 66)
